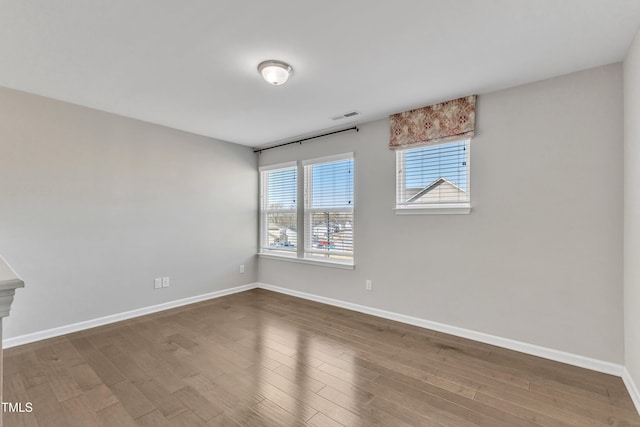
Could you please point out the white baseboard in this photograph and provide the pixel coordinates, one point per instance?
(532, 349)
(88, 324)
(634, 392)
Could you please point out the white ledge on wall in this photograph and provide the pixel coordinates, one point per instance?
(331, 264)
(444, 209)
(9, 282)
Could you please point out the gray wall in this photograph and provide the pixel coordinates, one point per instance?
(93, 206)
(538, 260)
(632, 210)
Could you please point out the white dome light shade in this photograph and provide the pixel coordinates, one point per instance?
(275, 72)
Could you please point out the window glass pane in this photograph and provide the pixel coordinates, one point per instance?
(331, 234)
(434, 174)
(282, 188)
(279, 210)
(332, 184)
(281, 230)
(329, 210)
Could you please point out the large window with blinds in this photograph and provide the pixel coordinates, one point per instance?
(279, 209)
(328, 208)
(433, 179)
(320, 230)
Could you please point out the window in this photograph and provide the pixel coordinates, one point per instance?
(433, 179)
(279, 209)
(328, 209)
(326, 216)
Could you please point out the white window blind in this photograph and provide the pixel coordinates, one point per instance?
(328, 209)
(433, 176)
(278, 213)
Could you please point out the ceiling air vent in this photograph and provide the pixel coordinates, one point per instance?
(345, 115)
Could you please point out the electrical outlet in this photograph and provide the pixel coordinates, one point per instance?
(165, 282)
(241, 268)
(157, 283)
(368, 285)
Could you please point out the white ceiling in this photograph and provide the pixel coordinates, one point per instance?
(191, 64)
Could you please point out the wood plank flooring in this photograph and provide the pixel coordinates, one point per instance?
(259, 358)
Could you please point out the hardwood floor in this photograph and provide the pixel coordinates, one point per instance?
(260, 358)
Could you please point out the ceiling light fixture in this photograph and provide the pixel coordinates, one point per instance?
(275, 72)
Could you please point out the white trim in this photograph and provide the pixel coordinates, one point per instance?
(532, 349)
(447, 209)
(278, 166)
(328, 159)
(332, 264)
(280, 251)
(634, 392)
(88, 324)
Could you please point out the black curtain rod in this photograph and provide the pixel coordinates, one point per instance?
(300, 141)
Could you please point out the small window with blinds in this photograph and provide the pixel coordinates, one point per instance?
(433, 179)
(278, 213)
(328, 209)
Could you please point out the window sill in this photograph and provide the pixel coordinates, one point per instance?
(462, 209)
(331, 264)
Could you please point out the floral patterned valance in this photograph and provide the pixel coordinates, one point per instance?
(446, 121)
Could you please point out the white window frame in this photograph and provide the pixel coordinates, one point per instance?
(435, 208)
(298, 254)
(264, 211)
